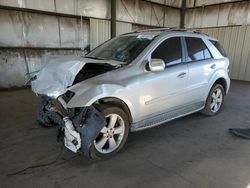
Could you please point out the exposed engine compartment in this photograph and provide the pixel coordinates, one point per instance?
(93, 69)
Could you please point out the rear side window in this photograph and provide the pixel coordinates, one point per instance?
(197, 50)
(219, 47)
(169, 51)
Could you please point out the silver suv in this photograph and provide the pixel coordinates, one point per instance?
(132, 82)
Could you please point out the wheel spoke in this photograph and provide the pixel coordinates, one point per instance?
(218, 93)
(112, 143)
(212, 105)
(112, 121)
(213, 96)
(219, 100)
(119, 130)
(215, 106)
(104, 130)
(101, 143)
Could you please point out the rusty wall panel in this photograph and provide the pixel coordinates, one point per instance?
(219, 15)
(235, 41)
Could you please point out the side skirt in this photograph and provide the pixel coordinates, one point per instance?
(166, 117)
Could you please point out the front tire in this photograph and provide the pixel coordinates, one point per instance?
(214, 100)
(114, 134)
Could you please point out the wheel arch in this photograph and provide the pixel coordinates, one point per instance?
(114, 101)
(222, 81)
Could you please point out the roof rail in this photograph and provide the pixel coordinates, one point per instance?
(167, 29)
(170, 29)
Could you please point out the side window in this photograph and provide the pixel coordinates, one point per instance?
(197, 50)
(169, 51)
(219, 47)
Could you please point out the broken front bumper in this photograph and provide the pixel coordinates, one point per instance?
(80, 126)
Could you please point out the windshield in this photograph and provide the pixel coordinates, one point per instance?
(123, 48)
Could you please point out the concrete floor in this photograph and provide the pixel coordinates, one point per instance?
(195, 151)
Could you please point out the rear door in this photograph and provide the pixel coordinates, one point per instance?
(200, 66)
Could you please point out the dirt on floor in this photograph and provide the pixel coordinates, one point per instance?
(194, 151)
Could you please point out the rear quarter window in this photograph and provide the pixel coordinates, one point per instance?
(196, 49)
(219, 47)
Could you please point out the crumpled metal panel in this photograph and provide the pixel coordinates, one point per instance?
(59, 72)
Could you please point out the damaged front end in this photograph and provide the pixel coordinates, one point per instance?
(79, 126)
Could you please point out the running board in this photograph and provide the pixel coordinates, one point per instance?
(166, 117)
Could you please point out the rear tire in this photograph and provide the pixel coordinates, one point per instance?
(113, 136)
(214, 100)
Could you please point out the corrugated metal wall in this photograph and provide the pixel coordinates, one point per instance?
(219, 15)
(122, 28)
(99, 32)
(236, 42)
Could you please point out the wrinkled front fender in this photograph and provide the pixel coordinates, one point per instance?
(87, 95)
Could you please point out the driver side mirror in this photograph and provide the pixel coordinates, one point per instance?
(156, 65)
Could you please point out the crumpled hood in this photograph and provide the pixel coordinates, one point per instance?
(57, 75)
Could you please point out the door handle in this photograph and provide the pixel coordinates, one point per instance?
(213, 66)
(182, 75)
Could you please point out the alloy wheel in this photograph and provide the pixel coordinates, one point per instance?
(111, 135)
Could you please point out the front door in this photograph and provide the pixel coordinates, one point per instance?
(162, 91)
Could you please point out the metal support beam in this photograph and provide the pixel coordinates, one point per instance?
(183, 11)
(113, 18)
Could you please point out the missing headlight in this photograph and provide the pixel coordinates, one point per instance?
(68, 95)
